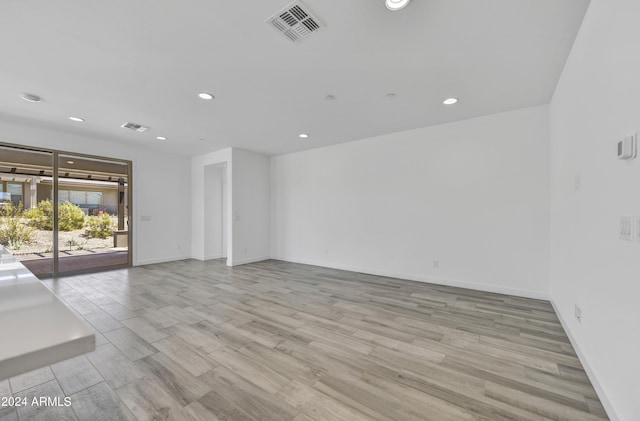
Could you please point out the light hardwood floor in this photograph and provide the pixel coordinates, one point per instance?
(194, 340)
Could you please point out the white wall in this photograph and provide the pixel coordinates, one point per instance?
(160, 188)
(596, 103)
(247, 208)
(473, 195)
(214, 212)
(251, 207)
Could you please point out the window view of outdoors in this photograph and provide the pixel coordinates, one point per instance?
(92, 211)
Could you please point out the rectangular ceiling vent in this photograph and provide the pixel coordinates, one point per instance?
(135, 127)
(295, 22)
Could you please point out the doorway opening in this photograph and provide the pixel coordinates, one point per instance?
(215, 209)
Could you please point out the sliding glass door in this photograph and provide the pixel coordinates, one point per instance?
(73, 210)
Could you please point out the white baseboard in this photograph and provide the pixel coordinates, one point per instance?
(237, 262)
(587, 368)
(217, 256)
(538, 295)
(159, 260)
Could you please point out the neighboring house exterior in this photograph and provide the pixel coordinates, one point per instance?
(91, 196)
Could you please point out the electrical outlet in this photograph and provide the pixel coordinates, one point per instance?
(576, 182)
(436, 264)
(626, 228)
(179, 247)
(578, 313)
(246, 250)
(638, 229)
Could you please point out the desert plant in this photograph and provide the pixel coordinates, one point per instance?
(99, 226)
(10, 210)
(14, 233)
(70, 216)
(31, 214)
(41, 216)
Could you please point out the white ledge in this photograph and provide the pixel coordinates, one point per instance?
(37, 328)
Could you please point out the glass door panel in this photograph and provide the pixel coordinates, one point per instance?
(92, 213)
(26, 215)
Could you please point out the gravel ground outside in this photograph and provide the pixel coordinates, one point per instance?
(42, 242)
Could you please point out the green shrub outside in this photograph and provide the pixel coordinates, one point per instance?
(70, 216)
(13, 231)
(10, 210)
(41, 216)
(99, 226)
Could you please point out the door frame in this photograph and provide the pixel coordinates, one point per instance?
(55, 153)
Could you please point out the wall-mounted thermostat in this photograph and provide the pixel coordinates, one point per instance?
(627, 147)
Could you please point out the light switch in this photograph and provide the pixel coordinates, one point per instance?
(628, 147)
(145, 218)
(638, 229)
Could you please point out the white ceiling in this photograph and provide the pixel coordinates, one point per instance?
(145, 60)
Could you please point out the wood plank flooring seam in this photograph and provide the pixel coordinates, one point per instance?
(274, 340)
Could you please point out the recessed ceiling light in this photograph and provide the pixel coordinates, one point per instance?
(30, 97)
(329, 97)
(161, 138)
(391, 95)
(303, 136)
(70, 162)
(450, 101)
(76, 119)
(206, 96)
(396, 4)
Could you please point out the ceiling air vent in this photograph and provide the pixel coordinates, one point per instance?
(295, 21)
(135, 127)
